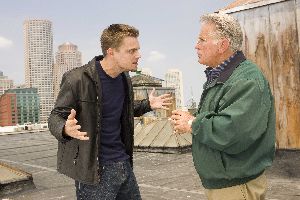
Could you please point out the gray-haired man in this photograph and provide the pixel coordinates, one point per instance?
(234, 128)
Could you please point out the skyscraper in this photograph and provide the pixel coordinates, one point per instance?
(5, 83)
(67, 58)
(38, 43)
(173, 78)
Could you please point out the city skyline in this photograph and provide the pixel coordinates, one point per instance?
(167, 36)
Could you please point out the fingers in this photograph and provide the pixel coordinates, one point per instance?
(83, 138)
(167, 100)
(177, 112)
(175, 117)
(178, 129)
(71, 122)
(152, 92)
(166, 96)
(74, 128)
(165, 108)
(72, 114)
(81, 135)
(75, 133)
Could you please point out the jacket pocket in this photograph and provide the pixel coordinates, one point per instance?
(208, 162)
(60, 154)
(69, 155)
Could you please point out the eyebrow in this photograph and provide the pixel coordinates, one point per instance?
(133, 49)
(202, 39)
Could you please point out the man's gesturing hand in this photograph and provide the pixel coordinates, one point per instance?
(160, 102)
(72, 129)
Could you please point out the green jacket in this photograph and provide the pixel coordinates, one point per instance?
(234, 129)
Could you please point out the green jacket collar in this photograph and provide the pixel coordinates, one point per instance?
(234, 63)
(224, 76)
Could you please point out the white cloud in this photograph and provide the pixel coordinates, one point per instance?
(155, 56)
(5, 43)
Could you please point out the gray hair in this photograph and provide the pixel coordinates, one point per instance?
(226, 27)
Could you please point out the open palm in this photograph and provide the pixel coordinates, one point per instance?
(159, 102)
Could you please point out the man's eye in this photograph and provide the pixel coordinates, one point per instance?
(132, 51)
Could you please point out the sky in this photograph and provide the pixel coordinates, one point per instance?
(168, 32)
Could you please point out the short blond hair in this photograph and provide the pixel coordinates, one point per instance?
(113, 36)
(226, 27)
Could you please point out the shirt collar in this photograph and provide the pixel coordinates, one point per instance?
(233, 61)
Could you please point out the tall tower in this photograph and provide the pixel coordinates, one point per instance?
(67, 57)
(38, 43)
(173, 78)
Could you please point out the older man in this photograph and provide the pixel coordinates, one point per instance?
(234, 128)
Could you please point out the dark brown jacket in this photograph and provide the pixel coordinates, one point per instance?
(80, 90)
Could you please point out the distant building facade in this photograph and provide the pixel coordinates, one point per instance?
(8, 110)
(173, 78)
(146, 71)
(38, 43)
(67, 57)
(143, 85)
(19, 106)
(5, 83)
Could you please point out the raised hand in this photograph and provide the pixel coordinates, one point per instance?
(72, 129)
(162, 101)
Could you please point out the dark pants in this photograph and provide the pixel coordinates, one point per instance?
(117, 181)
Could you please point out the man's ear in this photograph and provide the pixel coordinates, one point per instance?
(224, 45)
(110, 52)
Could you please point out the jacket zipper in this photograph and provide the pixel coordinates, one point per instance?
(98, 132)
(76, 156)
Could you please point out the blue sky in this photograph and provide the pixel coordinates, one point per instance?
(168, 32)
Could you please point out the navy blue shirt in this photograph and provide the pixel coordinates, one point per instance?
(113, 94)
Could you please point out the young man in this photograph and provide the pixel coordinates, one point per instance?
(234, 128)
(93, 119)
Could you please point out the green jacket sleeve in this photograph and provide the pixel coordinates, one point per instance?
(241, 118)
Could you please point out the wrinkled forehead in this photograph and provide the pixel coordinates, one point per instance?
(208, 28)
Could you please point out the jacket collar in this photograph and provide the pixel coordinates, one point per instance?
(234, 63)
(226, 73)
(92, 71)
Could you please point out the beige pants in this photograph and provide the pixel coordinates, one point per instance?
(252, 190)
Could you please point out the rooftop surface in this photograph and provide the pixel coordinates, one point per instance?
(160, 176)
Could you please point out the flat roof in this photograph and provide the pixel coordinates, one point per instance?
(159, 175)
